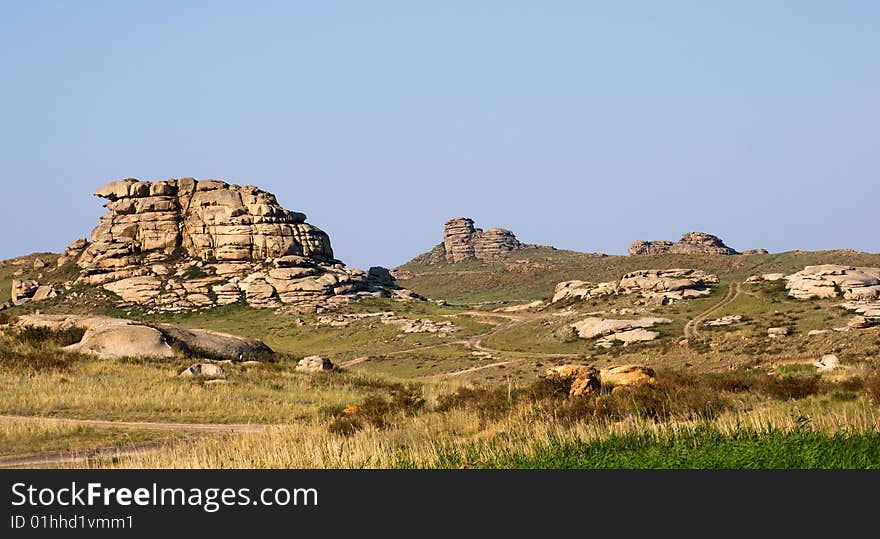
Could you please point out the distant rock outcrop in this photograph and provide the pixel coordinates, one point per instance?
(692, 243)
(184, 244)
(656, 286)
(463, 242)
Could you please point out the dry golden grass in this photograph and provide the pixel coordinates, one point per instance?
(421, 441)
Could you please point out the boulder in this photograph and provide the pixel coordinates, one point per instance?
(859, 322)
(627, 376)
(23, 290)
(778, 332)
(314, 364)
(122, 340)
(827, 363)
(580, 379)
(592, 327)
(725, 320)
(214, 343)
(207, 371)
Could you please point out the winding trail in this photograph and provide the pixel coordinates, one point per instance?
(692, 328)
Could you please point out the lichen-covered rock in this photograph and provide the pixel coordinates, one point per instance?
(692, 243)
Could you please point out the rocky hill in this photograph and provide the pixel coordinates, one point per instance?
(463, 242)
(690, 243)
(181, 243)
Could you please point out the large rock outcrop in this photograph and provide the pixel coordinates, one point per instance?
(463, 242)
(655, 286)
(832, 280)
(692, 243)
(183, 244)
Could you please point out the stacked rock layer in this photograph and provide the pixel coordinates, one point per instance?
(182, 243)
(463, 242)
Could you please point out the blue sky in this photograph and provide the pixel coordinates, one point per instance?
(584, 125)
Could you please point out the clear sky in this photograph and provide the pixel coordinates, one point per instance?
(580, 124)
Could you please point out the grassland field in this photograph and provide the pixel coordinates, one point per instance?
(727, 397)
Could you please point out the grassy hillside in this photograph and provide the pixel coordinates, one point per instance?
(527, 281)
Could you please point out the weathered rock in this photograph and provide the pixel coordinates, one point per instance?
(627, 376)
(778, 332)
(690, 244)
(118, 337)
(631, 336)
(23, 290)
(859, 322)
(580, 379)
(827, 363)
(657, 286)
(462, 241)
(39, 263)
(592, 327)
(214, 343)
(773, 276)
(184, 244)
(829, 280)
(314, 364)
(725, 320)
(756, 252)
(207, 371)
(43, 292)
(380, 275)
(122, 340)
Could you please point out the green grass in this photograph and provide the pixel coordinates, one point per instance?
(704, 447)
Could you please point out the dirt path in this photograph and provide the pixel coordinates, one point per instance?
(57, 458)
(474, 369)
(146, 425)
(61, 458)
(692, 328)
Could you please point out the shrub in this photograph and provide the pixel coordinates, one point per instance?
(790, 387)
(41, 337)
(872, 386)
(489, 402)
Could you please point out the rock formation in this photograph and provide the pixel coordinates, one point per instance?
(625, 331)
(656, 286)
(183, 244)
(692, 243)
(105, 336)
(831, 280)
(462, 242)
